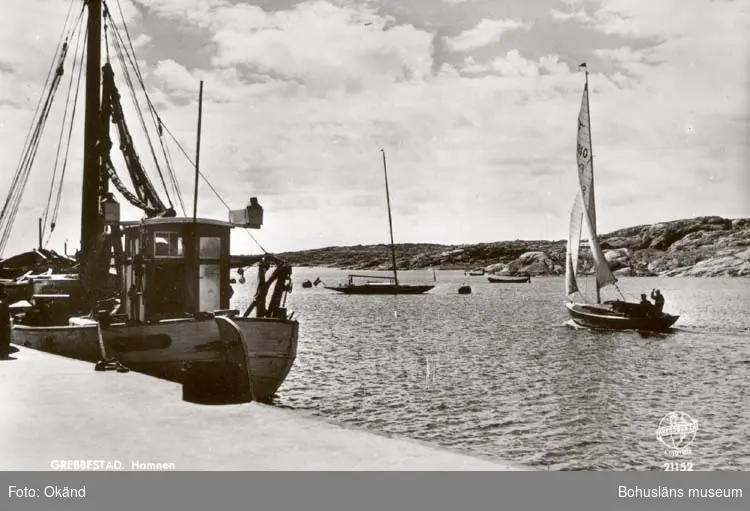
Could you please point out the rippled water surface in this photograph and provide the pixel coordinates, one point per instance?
(501, 373)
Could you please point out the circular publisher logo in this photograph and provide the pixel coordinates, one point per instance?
(676, 432)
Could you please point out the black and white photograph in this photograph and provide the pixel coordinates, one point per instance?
(375, 235)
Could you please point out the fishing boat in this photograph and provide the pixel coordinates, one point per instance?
(172, 272)
(391, 286)
(618, 314)
(509, 279)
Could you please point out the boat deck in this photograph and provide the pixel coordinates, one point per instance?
(55, 408)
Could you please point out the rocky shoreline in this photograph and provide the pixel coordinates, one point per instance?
(697, 247)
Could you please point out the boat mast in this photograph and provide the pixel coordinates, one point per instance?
(196, 239)
(90, 193)
(591, 157)
(390, 220)
(198, 151)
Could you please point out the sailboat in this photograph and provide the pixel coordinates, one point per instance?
(170, 304)
(393, 286)
(613, 314)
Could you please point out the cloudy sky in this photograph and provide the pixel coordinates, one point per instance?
(474, 101)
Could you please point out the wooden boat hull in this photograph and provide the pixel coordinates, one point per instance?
(381, 289)
(161, 349)
(509, 280)
(604, 317)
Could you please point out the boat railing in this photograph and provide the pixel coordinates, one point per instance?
(384, 277)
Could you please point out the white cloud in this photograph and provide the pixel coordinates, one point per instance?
(196, 12)
(141, 40)
(622, 55)
(580, 15)
(488, 31)
(701, 60)
(514, 65)
(320, 45)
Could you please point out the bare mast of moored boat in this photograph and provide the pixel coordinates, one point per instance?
(386, 288)
(390, 220)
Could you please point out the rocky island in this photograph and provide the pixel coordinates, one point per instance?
(698, 247)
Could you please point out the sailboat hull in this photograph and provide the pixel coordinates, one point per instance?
(605, 317)
(162, 349)
(381, 289)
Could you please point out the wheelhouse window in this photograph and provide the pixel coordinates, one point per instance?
(168, 244)
(210, 248)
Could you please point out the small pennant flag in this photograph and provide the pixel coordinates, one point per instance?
(582, 65)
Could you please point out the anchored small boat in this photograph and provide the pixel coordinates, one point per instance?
(391, 286)
(509, 279)
(616, 314)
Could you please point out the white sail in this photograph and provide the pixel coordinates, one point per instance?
(574, 243)
(604, 275)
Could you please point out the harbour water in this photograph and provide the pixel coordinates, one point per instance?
(502, 373)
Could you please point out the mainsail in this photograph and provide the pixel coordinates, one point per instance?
(604, 275)
(584, 159)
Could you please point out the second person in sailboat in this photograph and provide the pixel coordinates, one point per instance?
(658, 299)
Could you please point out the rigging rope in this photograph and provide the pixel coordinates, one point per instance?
(31, 145)
(58, 198)
(173, 175)
(77, 33)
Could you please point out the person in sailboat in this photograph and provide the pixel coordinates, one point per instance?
(647, 307)
(658, 300)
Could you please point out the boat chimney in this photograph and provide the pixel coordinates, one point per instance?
(251, 217)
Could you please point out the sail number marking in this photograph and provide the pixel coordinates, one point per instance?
(582, 151)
